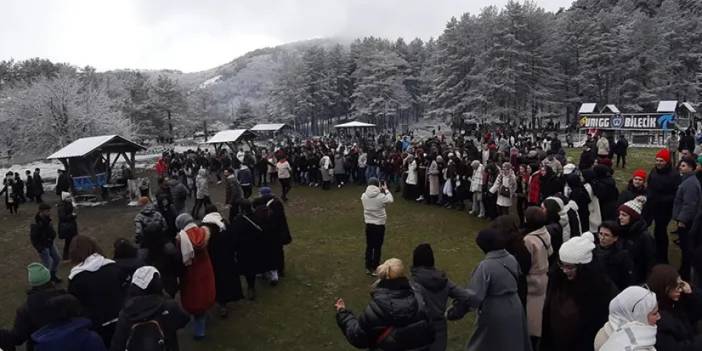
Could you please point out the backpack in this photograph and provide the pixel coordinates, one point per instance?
(146, 336)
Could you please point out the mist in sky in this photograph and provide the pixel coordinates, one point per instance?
(197, 35)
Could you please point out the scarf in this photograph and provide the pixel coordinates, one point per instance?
(186, 246)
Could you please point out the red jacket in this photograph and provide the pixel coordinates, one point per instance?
(534, 188)
(197, 291)
(161, 167)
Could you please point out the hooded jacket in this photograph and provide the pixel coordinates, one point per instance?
(72, 335)
(374, 202)
(150, 307)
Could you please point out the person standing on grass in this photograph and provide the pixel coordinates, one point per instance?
(29, 184)
(202, 192)
(233, 193)
(38, 186)
(662, 185)
(10, 191)
(284, 173)
(374, 200)
(685, 208)
(67, 226)
(620, 149)
(43, 236)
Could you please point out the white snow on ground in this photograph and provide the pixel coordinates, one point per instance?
(210, 81)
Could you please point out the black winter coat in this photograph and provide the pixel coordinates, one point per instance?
(222, 250)
(676, 328)
(641, 246)
(605, 188)
(617, 264)
(393, 304)
(250, 244)
(661, 188)
(167, 313)
(100, 293)
(68, 226)
(42, 233)
(30, 317)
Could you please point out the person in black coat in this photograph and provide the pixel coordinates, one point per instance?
(551, 183)
(436, 289)
(394, 307)
(34, 313)
(222, 250)
(636, 239)
(29, 185)
(126, 257)
(250, 246)
(635, 188)
(63, 182)
(662, 185)
(680, 307)
(270, 211)
(620, 149)
(687, 142)
(42, 236)
(67, 226)
(579, 195)
(168, 211)
(146, 303)
(605, 188)
(97, 283)
(38, 186)
(614, 260)
(587, 158)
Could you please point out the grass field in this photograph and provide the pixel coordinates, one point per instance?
(325, 261)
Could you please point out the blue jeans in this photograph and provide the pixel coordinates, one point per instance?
(199, 326)
(50, 258)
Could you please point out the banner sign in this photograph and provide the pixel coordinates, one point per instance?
(627, 121)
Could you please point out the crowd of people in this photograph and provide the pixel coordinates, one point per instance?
(570, 262)
(127, 301)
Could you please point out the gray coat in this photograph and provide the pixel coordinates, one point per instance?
(501, 323)
(435, 288)
(687, 200)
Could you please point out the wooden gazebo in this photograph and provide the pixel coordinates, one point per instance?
(89, 161)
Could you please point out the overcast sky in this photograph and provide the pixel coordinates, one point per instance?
(193, 35)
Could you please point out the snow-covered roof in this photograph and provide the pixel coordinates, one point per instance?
(268, 127)
(612, 108)
(354, 124)
(84, 146)
(689, 107)
(230, 136)
(587, 108)
(667, 106)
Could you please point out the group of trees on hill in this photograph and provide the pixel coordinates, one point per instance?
(518, 63)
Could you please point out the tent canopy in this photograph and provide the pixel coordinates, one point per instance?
(587, 107)
(103, 143)
(667, 106)
(231, 136)
(270, 127)
(355, 124)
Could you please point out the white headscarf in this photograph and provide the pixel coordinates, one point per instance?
(631, 305)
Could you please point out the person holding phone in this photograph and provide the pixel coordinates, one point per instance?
(374, 200)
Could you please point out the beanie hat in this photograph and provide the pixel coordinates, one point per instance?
(664, 154)
(634, 207)
(423, 256)
(37, 274)
(639, 173)
(265, 191)
(578, 250)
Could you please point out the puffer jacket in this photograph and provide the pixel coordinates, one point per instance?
(374, 202)
(436, 288)
(148, 220)
(393, 304)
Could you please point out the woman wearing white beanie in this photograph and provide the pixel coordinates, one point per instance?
(632, 322)
(577, 298)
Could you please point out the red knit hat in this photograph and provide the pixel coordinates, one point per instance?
(664, 154)
(639, 173)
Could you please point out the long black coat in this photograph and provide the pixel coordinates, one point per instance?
(68, 226)
(605, 188)
(639, 243)
(38, 185)
(617, 264)
(676, 328)
(271, 214)
(250, 244)
(661, 188)
(222, 249)
(100, 293)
